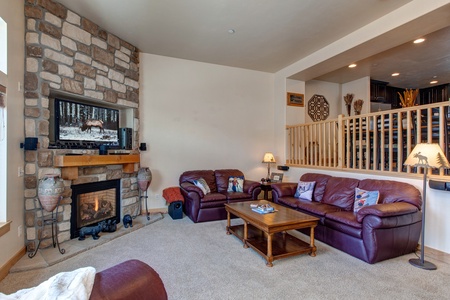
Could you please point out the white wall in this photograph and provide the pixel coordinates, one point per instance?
(13, 13)
(202, 116)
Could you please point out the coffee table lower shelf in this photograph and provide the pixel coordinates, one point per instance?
(283, 243)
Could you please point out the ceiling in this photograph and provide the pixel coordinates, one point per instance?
(417, 64)
(269, 34)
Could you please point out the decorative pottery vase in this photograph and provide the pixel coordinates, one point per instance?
(144, 178)
(50, 190)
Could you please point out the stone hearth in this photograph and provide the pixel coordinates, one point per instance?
(50, 256)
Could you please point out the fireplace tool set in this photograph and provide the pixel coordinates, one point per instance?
(144, 178)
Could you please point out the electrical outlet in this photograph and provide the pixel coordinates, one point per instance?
(20, 230)
(20, 171)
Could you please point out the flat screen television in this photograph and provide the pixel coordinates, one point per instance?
(79, 123)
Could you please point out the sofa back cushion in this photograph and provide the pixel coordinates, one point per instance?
(340, 192)
(393, 191)
(222, 178)
(208, 175)
(321, 182)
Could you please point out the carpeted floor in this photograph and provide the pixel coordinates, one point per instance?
(199, 261)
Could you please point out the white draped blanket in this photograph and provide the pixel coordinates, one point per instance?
(74, 285)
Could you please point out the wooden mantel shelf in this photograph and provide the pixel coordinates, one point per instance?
(70, 163)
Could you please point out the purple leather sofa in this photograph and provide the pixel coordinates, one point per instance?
(375, 233)
(200, 207)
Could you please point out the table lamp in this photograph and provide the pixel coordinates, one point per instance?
(426, 156)
(268, 158)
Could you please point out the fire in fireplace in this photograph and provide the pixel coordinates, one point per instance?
(94, 202)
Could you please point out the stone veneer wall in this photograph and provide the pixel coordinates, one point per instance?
(68, 53)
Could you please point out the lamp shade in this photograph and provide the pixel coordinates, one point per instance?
(268, 158)
(427, 155)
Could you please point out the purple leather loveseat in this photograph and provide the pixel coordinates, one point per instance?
(200, 207)
(374, 233)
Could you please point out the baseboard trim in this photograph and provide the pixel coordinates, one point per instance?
(437, 255)
(158, 210)
(4, 270)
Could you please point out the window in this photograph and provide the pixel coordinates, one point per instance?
(3, 71)
(3, 48)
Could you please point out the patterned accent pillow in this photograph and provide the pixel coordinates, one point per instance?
(201, 183)
(305, 190)
(365, 198)
(235, 184)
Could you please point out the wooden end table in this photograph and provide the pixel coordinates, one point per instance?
(266, 233)
(266, 188)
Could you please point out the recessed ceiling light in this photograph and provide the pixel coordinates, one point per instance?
(231, 31)
(418, 41)
(434, 82)
(352, 66)
(395, 74)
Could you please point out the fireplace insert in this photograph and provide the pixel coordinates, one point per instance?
(94, 202)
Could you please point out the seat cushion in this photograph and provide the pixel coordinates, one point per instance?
(237, 195)
(211, 197)
(289, 201)
(317, 208)
(344, 221)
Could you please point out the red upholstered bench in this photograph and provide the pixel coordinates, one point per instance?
(175, 199)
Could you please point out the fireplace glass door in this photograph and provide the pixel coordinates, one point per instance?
(93, 203)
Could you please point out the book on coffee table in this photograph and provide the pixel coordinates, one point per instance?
(264, 209)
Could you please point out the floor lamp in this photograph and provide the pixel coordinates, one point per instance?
(425, 156)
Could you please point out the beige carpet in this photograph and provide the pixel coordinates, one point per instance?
(199, 261)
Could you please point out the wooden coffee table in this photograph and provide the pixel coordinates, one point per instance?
(266, 233)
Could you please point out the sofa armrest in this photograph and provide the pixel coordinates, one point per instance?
(283, 189)
(250, 185)
(189, 187)
(132, 279)
(386, 210)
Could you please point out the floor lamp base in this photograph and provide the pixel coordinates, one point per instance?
(426, 265)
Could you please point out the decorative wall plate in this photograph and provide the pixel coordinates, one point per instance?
(318, 108)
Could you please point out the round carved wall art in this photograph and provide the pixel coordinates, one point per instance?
(318, 108)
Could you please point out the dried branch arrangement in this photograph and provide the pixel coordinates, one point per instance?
(357, 105)
(408, 98)
(348, 99)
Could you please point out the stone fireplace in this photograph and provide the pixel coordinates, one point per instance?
(69, 55)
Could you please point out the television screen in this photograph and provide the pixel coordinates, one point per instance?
(80, 122)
